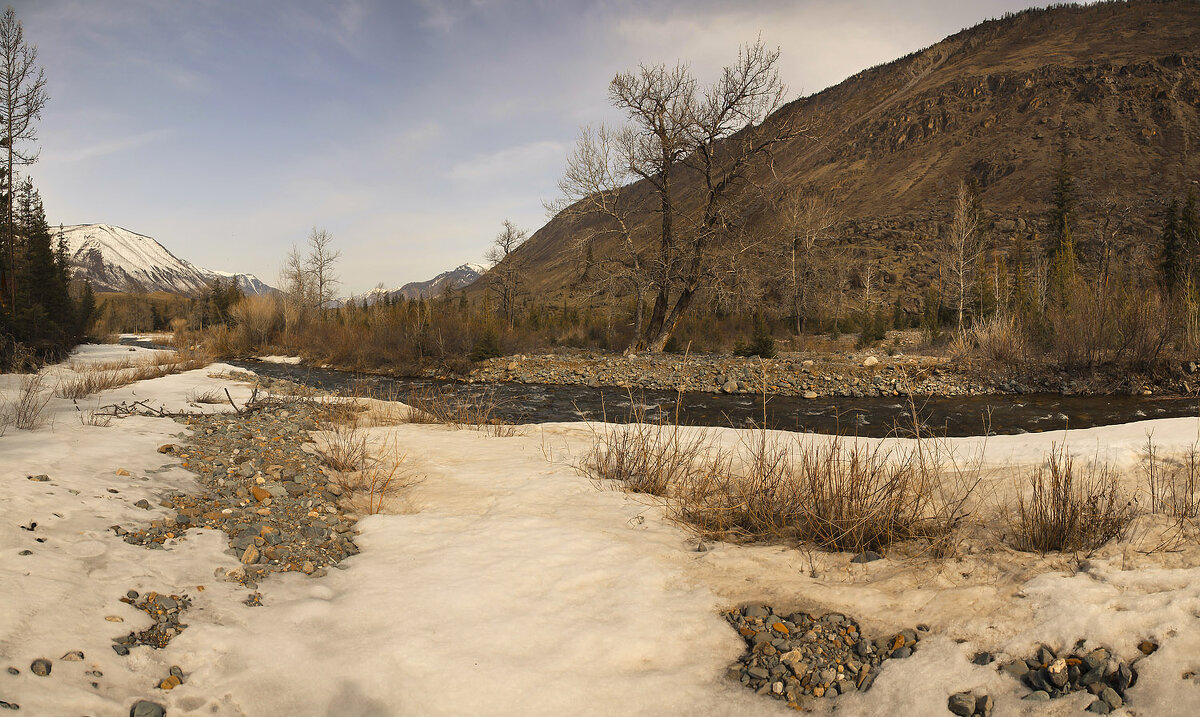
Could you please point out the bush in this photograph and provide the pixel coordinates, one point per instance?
(762, 345)
(487, 347)
(1070, 509)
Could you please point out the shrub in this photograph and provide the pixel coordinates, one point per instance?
(762, 345)
(487, 347)
(1069, 509)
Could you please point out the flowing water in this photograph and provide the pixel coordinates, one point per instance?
(958, 416)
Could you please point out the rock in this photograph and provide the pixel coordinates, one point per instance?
(143, 504)
(170, 683)
(730, 386)
(146, 708)
(1099, 707)
(962, 703)
(13, 671)
(167, 448)
(260, 494)
(1147, 647)
(1038, 696)
(983, 658)
(984, 705)
(1110, 696)
(250, 556)
(870, 361)
(40, 667)
(73, 656)
(867, 556)
(1056, 672)
(755, 611)
(122, 472)
(39, 478)
(810, 395)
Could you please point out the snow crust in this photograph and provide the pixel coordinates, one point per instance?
(506, 584)
(280, 359)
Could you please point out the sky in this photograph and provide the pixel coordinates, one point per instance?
(229, 129)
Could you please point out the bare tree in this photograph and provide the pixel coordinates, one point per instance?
(595, 195)
(22, 97)
(963, 247)
(320, 265)
(806, 219)
(508, 274)
(297, 292)
(720, 134)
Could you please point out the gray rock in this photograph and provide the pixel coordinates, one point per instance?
(1110, 696)
(984, 705)
(145, 708)
(1099, 707)
(866, 556)
(1038, 696)
(983, 658)
(962, 703)
(755, 611)
(143, 504)
(40, 667)
(73, 656)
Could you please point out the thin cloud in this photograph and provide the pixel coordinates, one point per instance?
(110, 147)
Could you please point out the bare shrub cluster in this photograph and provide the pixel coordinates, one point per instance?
(376, 471)
(1174, 484)
(458, 410)
(646, 458)
(28, 410)
(1070, 508)
(91, 378)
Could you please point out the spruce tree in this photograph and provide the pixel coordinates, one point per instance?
(1189, 237)
(1172, 250)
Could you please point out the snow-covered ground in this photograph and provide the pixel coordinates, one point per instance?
(507, 584)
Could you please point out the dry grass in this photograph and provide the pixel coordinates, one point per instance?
(28, 411)
(363, 467)
(212, 397)
(1174, 484)
(843, 494)
(645, 457)
(998, 337)
(91, 378)
(1069, 508)
(382, 477)
(93, 417)
(458, 411)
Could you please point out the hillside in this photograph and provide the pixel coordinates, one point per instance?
(116, 259)
(1114, 86)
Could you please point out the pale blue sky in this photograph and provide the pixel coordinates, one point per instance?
(227, 129)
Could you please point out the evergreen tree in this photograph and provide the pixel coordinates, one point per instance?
(1189, 237)
(1172, 249)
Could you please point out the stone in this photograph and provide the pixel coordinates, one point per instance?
(1110, 696)
(730, 386)
(962, 703)
(755, 611)
(867, 556)
(13, 671)
(1147, 647)
(1037, 696)
(39, 478)
(146, 708)
(40, 667)
(1056, 672)
(167, 448)
(170, 683)
(983, 658)
(73, 656)
(250, 555)
(810, 395)
(984, 705)
(143, 504)
(260, 494)
(122, 472)
(870, 361)
(1099, 707)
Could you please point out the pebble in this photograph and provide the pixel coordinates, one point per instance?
(146, 708)
(40, 667)
(1051, 676)
(867, 556)
(809, 656)
(39, 478)
(73, 656)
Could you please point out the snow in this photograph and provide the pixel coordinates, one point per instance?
(505, 583)
(280, 359)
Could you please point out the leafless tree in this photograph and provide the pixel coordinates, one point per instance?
(22, 97)
(962, 247)
(594, 194)
(508, 273)
(806, 219)
(320, 265)
(297, 291)
(720, 134)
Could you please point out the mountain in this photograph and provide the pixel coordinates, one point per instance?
(1113, 87)
(455, 279)
(116, 259)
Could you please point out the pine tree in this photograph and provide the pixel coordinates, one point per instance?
(1189, 237)
(1172, 251)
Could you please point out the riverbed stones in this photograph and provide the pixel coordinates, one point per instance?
(797, 656)
(41, 667)
(1051, 675)
(165, 610)
(274, 500)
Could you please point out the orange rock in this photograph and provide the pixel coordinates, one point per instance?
(780, 627)
(170, 683)
(260, 494)
(122, 472)
(747, 632)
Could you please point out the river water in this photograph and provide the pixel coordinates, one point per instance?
(874, 417)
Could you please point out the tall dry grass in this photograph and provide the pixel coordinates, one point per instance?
(28, 409)
(93, 377)
(1069, 507)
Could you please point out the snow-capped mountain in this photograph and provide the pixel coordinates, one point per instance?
(457, 278)
(116, 259)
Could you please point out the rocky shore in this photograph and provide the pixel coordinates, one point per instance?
(811, 375)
